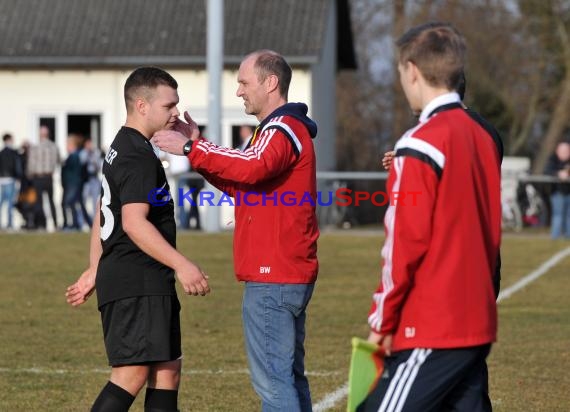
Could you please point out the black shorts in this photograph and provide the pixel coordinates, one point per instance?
(142, 329)
(426, 380)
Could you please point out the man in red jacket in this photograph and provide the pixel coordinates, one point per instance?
(434, 311)
(273, 182)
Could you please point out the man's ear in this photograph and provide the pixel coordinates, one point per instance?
(272, 83)
(413, 72)
(141, 106)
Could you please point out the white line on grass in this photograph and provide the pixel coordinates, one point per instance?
(542, 269)
(47, 371)
(332, 398)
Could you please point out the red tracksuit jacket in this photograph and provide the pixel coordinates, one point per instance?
(442, 236)
(273, 183)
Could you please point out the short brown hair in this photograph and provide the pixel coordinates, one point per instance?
(143, 80)
(438, 50)
(268, 62)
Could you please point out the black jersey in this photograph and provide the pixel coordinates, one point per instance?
(490, 129)
(132, 173)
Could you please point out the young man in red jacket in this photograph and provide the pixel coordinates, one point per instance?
(434, 311)
(273, 182)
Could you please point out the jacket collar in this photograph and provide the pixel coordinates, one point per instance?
(442, 100)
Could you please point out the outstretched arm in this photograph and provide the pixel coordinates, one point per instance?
(276, 149)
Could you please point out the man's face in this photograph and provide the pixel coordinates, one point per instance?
(245, 132)
(71, 144)
(563, 151)
(162, 112)
(250, 89)
(44, 132)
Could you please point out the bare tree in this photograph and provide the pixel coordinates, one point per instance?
(556, 19)
(400, 106)
(518, 73)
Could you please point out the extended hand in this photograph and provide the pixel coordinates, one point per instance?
(170, 141)
(193, 280)
(387, 159)
(189, 128)
(78, 293)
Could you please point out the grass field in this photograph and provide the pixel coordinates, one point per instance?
(52, 357)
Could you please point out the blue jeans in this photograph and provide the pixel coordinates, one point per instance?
(71, 200)
(274, 330)
(560, 223)
(7, 192)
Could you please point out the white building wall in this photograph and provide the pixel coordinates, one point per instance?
(27, 95)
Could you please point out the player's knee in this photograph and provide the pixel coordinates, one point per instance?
(131, 378)
(174, 379)
(165, 375)
(168, 379)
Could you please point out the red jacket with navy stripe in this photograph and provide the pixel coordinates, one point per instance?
(273, 183)
(441, 244)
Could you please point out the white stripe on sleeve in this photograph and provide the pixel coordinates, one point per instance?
(423, 147)
(289, 131)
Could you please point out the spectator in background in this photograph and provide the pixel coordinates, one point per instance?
(42, 161)
(196, 185)
(178, 167)
(92, 161)
(72, 177)
(559, 165)
(188, 216)
(245, 134)
(10, 172)
(27, 196)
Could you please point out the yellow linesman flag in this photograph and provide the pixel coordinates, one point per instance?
(366, 367)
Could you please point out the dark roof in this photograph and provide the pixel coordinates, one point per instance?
(97, 33)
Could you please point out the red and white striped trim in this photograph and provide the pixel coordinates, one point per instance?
(375, 319)
(289, 131)
(253, 152)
